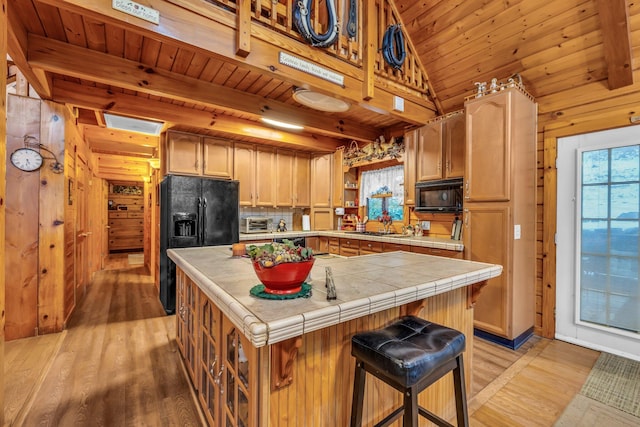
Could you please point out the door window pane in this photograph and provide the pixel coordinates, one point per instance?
(609, 261)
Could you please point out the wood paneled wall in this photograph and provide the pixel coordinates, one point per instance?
(3, 168)
(40, 236)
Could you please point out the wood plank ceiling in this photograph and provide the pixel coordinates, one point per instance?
(75, 52)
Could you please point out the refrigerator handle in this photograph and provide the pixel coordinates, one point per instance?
(200, 222)
(204, 219)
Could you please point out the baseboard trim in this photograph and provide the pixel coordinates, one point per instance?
(513, 344)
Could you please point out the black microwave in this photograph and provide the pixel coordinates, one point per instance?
(439, 196)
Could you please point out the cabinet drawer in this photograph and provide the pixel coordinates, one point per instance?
(346, 251)
(348, 243)
(128, 201)
(368, 246)
(125, 242)
(437, 252)
(135, 214)
(129, 222)
(390, 247)
(118, 214)
(126, 232)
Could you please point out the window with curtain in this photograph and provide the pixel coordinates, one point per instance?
(387, 180)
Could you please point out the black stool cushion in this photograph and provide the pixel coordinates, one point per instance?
(408, 349)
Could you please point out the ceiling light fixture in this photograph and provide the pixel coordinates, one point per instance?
(282, 124)
(319, 101)
(133, 125)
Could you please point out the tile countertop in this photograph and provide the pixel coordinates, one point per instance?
(364, 284)
(425, 241)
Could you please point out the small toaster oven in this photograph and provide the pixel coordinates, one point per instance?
(256, 224)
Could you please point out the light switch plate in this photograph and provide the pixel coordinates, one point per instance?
(426, 225)
(516, 231)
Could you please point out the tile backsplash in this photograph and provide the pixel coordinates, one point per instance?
(275, 213)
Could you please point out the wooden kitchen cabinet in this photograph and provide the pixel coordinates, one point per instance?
(494, 130)
(410, 159)
(320, 188)
(193, 154)
(391, 247)
(186, 334)
(284, 177)
(370, 247)
(184, 153)
(437, 252)
(265, 171)
(302, 180)
(293, 176)
(217, 157)
(245, 172)
(349, 247)
(334, 245)
(239, 378)
(441, 148)
(500, 209)
(337, 194)
(210, 359)
(220, 361)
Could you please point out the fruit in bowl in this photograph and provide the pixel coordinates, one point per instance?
(281, 267)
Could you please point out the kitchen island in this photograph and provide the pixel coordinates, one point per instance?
(258, 362)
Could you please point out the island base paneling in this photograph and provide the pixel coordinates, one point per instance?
(320, 394)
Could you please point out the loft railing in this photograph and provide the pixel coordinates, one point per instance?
(277, 15)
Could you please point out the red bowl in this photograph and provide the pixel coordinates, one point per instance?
(285, 278)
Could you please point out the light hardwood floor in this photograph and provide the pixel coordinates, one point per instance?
(117, 364)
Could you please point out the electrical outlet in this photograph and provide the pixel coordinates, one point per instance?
(516, 232)
(426, 225)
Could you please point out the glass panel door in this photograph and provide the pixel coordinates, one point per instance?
(597, 264)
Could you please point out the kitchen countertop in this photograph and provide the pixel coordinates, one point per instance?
(364, 284)
(424, 241)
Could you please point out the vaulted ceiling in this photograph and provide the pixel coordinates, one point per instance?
(191, 71)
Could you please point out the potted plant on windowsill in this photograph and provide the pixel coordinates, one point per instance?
(281, 267)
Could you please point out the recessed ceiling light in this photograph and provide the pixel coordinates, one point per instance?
(319, 101)
(133, 125)
(282, 124)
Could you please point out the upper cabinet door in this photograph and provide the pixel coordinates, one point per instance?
(284, 177)
(218, 157)
(410, 143)
(487, 172)
(429, 152)
(454, 132)
(320, 188)
(244, 171)
(338, 179)
(265, 183)
(185, 153)
(302, 180)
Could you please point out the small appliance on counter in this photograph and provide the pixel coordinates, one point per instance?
(256, 224)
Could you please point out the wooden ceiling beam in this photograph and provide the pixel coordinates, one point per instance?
(196, 25)
(104, 99)
(17, 46)
(97, 133)
(87, 64)
(614, 17)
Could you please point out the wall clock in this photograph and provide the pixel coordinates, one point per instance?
(26, 159)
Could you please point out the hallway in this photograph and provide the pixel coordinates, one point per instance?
(117, 362)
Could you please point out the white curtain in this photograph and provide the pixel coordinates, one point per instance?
(375, 181)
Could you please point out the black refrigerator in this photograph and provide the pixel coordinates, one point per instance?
(194, 211)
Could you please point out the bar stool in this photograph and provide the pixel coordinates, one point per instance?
(409, 355)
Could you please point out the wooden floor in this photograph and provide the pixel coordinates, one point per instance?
(117, 364)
